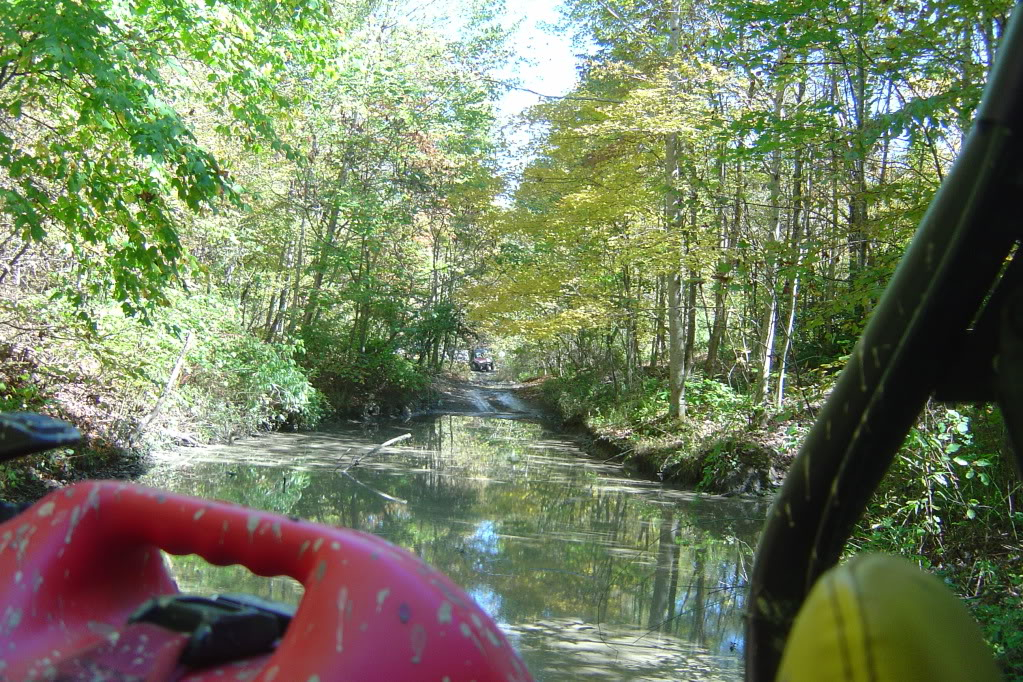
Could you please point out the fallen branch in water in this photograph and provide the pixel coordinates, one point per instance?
(373, 451)
(620, 454)
(374, 490)
(376, 449)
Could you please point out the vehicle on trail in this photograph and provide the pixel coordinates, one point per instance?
(482, 360)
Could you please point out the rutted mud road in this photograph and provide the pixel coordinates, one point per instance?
(487, 395)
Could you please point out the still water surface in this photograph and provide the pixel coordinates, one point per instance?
(592, 575)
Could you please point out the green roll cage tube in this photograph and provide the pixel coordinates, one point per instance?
(949, 325)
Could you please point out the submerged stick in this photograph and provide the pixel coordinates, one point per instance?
(377, 449)
(374, 490)
(373, 451)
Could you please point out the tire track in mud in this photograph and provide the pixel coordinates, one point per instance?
(483, 397)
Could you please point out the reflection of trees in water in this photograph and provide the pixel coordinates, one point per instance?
(269, 488)
(666, 570)
(498, 506)
(568, 649)
(194, 575)
(707, 608)
(690, 582)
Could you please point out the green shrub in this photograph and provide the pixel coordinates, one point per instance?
(243, 384)
(947, 483)
(1003, 629)
(353, 381)
(107, 376)
(946, 503)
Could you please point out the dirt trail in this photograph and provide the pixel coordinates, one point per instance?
(484, 395)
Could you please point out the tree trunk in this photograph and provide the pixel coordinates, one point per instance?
(320, 266)
(630, 301)
(172, 380)
(676, 348)
(727, 263)
(717, 330)
(857, 235)
(277, 326)
(691, 290)
(296, 286)
(674, 217)
(657, 344)
(796, 252)
(770, 311)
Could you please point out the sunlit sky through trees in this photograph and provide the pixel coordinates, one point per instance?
(545, 64)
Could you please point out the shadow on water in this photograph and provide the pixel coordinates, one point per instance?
(590, 573)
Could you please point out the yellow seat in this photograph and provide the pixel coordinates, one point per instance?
(879, 618)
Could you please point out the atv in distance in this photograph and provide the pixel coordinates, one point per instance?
(482, 360)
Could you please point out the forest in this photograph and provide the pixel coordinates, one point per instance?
(236, 215)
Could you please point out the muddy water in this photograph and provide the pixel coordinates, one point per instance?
(592, 575)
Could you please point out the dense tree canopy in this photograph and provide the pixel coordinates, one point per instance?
(323, 170)
(731, 183)
(725, 191)
(99, 155)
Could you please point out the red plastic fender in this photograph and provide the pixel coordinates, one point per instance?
(79, 562)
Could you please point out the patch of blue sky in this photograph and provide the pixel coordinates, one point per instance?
(544, 64)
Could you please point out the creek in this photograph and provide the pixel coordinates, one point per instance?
(591, 574)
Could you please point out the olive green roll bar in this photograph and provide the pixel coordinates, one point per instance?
(950, 324)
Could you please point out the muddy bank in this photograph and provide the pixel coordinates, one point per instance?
(33, 477)
(733, 464)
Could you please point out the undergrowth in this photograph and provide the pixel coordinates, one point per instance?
(109, 377)
(713, 437)
(949, 502)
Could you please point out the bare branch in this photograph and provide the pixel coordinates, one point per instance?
(381, 494)
(573, 98)
(377, 449)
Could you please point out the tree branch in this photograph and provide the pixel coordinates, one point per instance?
(573, 98)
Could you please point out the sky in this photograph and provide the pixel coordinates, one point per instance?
(545, 64)
(546, 61)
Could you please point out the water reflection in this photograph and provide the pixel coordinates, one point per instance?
(590, 573)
